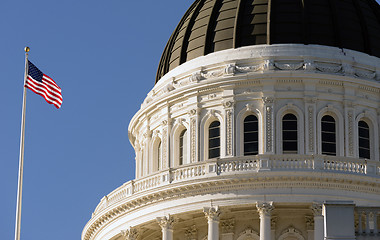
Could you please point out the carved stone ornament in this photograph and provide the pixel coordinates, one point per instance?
(348, 69)
(228, 104)
(195, 77)
(212, 213)
(166, 222)
(192, 112)
(249, 68)
(268, 65)
(291, 232)
(228, 225)
(289, 66)
(309, 65)
(317, 209)
(191, 233)
(273, 222)
(309, 222)
(328, 68)
(130, 234)
(230, 69)
(265, 208)
(268, 100)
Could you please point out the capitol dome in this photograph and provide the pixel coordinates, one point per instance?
(263, 124)
(211, 26)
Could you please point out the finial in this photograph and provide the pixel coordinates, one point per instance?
(27, 49)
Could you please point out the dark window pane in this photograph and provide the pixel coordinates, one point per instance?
(214, 140)
(328, 135)
(364, 140)
(289, 134)
(251, 135)
(213, 153)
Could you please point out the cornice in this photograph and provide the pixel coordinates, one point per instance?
(235, 67)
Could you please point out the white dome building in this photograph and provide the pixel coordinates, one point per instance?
(263, 124)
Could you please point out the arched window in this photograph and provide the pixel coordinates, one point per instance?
(328, 134)
(214, 140)
(182, 146)
(289, 134)
(251, 135)
(159, 156)
(364, 143)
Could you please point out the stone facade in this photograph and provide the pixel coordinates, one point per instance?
(269, 196)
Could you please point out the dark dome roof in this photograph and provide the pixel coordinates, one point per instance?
(213, 25)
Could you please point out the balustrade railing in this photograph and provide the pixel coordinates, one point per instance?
(246, 164)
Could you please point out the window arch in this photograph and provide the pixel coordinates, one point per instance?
(214, 140)
(289, 134)
(251, 135)
(328, 135)
(182, 147)
(364, 140)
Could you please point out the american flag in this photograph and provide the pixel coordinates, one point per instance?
(43, 85)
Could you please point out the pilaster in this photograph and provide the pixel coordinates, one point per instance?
(194, 115)
(310, 125)
(229, 114)
(269, 125)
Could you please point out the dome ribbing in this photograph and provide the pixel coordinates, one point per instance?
(213, 25)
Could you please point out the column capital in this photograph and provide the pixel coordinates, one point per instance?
(317, 209)
(166, 222)
(130, 234)
(265, 208)
(212, 213)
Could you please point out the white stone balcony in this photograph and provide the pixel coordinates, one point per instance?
(230, 168)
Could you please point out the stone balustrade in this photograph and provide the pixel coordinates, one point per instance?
(242, 165)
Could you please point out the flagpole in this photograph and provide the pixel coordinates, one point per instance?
(21, 158)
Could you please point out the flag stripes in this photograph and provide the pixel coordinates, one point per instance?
(43, 85)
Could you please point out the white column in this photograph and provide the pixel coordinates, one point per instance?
(166, 223)
(212, 215)
(367, 228)
(130, 234)
(265, 211)
(318, 221)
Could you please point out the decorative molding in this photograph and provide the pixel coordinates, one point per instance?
(350, 116)
(248, 233)
(191, 233)
(229, 131)
(311, 128)
(291, 232)
(193, 139)
(309, 222)
(166, 222)
(273, 222)
(212, 213)
(330, 68)
(289, 66)
(227, 226)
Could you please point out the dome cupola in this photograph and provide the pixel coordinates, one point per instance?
(214, 25)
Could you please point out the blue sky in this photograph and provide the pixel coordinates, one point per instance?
(104, 56)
